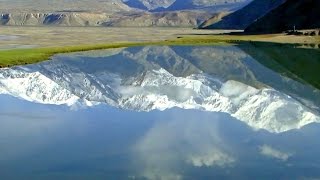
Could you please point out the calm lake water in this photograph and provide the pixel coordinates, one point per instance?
(158, 112)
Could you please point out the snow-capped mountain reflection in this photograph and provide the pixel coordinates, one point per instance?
(221, 79)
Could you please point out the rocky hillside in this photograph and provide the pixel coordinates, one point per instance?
(49, 6)
(142, 19)
(303, 14)
(61, 19)
(112, 12)
(163, 19)
(243, 17)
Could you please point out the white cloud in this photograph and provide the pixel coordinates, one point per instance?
(214, 157)
(274, 153)
(192, 140)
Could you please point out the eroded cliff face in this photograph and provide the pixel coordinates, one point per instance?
(187, 19)
(162, 19)
(47, 6)
(112, 12)
(63, 19)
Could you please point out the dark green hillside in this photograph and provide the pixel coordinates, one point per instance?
(296, 63)
(304, 14)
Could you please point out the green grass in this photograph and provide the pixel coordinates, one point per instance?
(30, 56)
(296, 63)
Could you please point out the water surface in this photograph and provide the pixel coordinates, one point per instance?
(160, 112)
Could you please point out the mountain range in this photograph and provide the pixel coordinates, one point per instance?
(129, 19)
(253, 16)
(219, 79)
(112, 12)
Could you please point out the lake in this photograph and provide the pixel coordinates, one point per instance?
(246, 111)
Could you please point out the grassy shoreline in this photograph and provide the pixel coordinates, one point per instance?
(15, 57)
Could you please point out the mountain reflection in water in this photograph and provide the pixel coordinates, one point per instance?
(216, 79)
(159, 112)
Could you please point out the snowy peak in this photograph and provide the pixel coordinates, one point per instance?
(260, 108)
(141, 79)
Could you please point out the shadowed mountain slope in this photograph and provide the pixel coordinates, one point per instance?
(243, 17)
(303, 14)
